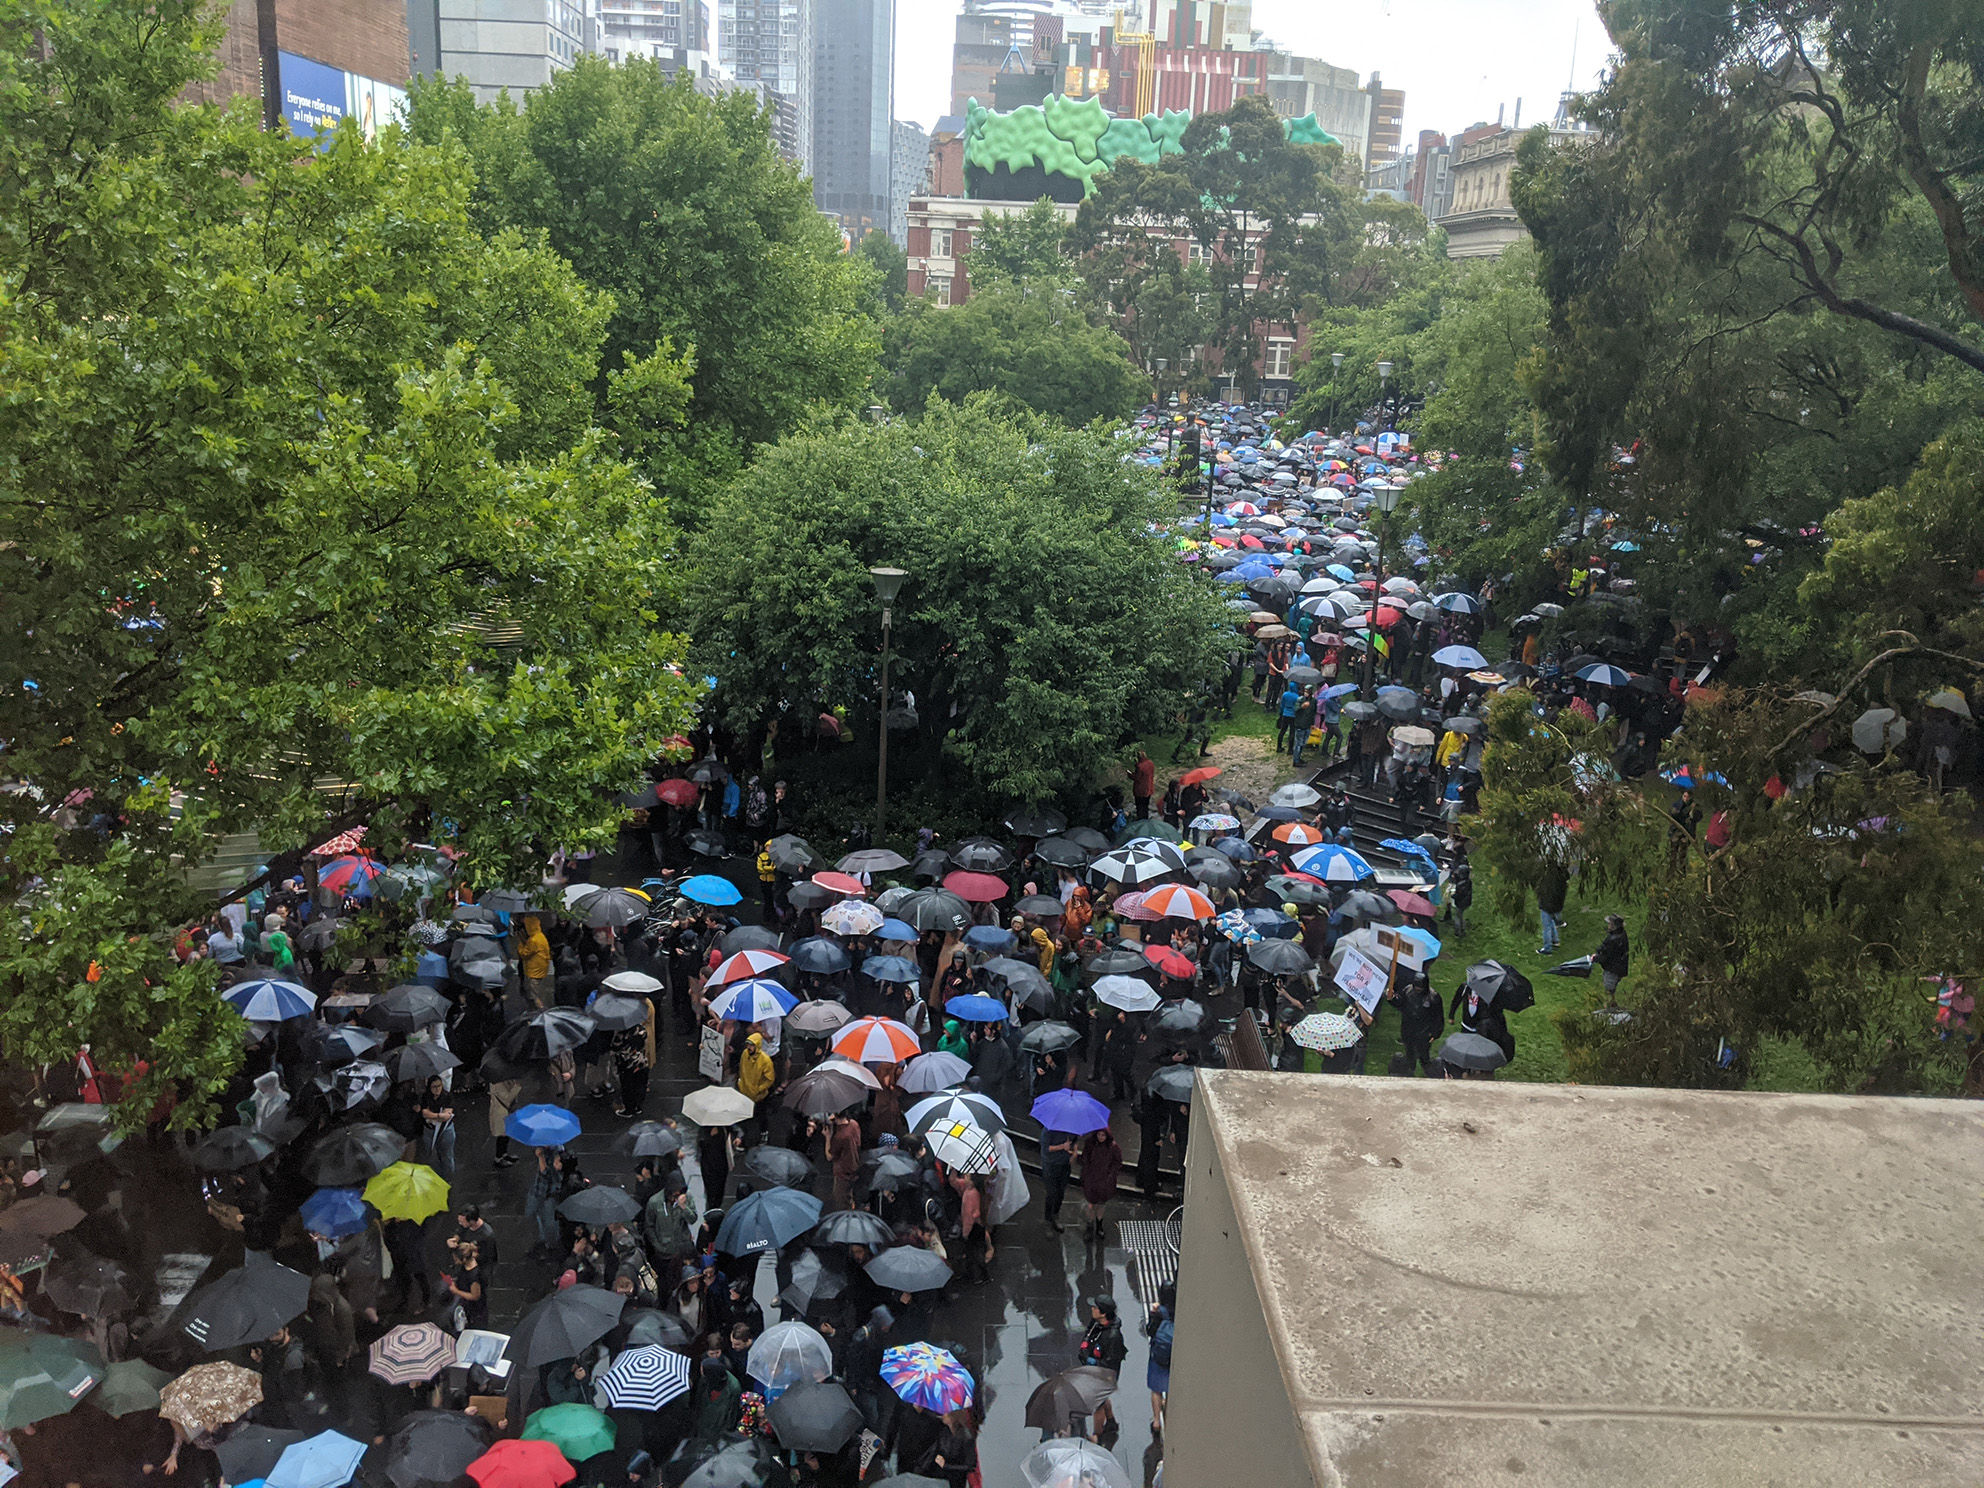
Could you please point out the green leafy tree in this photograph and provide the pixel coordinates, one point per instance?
(1043, 622)
(1021, 251)
(1035, 349)
(281, 548)
(891, 267)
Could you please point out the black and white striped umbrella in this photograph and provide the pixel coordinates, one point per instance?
(644, 1378)
(1131, 866)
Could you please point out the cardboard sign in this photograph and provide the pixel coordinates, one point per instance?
(709, 1061)
(1363, 981)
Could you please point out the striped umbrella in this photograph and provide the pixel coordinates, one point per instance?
(267, 1000)
(644, 1378)
(968, 1106)
(411, 1353)
(1298, 834)
(1176, 902)
(923, 1374)
(1334, 864)
(877, 1041)
(753, 1002)
(746, 964)
(351, 876)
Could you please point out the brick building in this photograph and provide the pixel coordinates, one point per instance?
(366, 40)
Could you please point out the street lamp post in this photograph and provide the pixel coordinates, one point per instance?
(1384, 377)
(1386, 500)
(1336, 366)
(1162, 363)
(887, 582)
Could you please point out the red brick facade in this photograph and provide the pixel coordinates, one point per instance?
(367, 37)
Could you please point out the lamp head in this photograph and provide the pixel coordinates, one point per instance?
(1336, 361)
(1385, 499)
(887, 582)
(1384, 371)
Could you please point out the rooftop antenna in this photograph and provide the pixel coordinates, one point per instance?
(1576, 26)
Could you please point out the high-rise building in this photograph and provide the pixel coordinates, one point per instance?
(311, 64)
(770, 42)
(910, 169)
(853, 110)
(1387, 135)
(983, 45)
(1298, 86)
(652, 28)
(500, 45)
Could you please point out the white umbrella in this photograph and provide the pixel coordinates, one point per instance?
(852, 917)
(1073, 1462)
(931, 1072)
(962, 1146)
(643, 1378)
(1006, 1188)
(950, 1108)
(718, 1105)
(787, 1354)
(639, 983)
(1131, 994)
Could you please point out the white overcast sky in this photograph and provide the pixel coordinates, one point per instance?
(1457, 60)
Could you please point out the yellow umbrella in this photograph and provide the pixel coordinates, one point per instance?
(408, 1191)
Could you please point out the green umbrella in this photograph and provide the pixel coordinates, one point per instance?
(578, 1431)
(131, 1385)
(43, 1376)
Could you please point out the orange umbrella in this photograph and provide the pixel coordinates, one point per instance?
(1297, 834)
(840, 883)
(1199, 776)
(1176, 902)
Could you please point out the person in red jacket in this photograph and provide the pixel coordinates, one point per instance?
(1143, 782)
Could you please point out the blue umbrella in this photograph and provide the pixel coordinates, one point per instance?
(334, 1212)
(990, 938)
(753, 1001)
(766, 1220)
(896, 930)
(707, 888)
(1604, 675)
(1236, 848)
(1341, 571)
(431, 969)
(1341, 689)
(267, 1000)
(821, 956)
(1271, 923)
(1424, 938)
(327, 1460)
(1334, 864)
(1070, 1111)
(541, 1126)
(974, 1008)
(892, 968)
(1685, 778)
(1414, 850)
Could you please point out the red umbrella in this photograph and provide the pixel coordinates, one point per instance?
(1411, 903)
(1384, 617)
(677, 792)
(1248, 540)
(840, 883)
(1170, 963)
(1131, 907)
(522, 1464)
(977, 888)
(1198, 776)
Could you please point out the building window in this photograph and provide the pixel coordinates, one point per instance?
(940, 287)
(1281, 354)
(940, 244)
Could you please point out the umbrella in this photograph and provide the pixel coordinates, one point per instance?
(1036, 821)
(522, 1464)
(982, 855)
(1218, 871)
(1178, 967)
(813, 1417)
(780, 1166)
(1184, 1016)
(541, 1126)
(854, 1227)
(43, 1376)
(840, 883)
(922, 1374)
(743, 1464)
(410, 1353)
(1049, 1037)
(743, 938)
(1605, 675)
(949, 1108)
(819, 1016)
(578, 1430)
(1071, 1393)
(709, 888)
(1200, 775)
(975, 888)
(1175, 901)
(1117, 961)
(976, 1008)
(645, 1377)
(266, 1000)
(1061, 852)
(601, 1204)
(745, 964)
(852, 917)
(1039, 906)
(718, 1105)
(1364, 905)
(246, 1305)
(1471, 1051)
(1073, 1462)
(208, 1396)
(872, 860)
(1466, 658)
(823, 1090)
(1334, 864)
(544, 1035)
(612, 907)
(896, 970)
(1878, 730)
(767, 1220)
(1411, 903)
(793, 855)
(649, 1139)
(877, 1041)
(334, 1213)
(1501, 984)
(635, 983)
(407, 1007)
(327, 1460)
(935, 909)
(1150, 832)
(408, 1190)
(820, 956)
(886, 1169)
(1087, 839)
(419, 1061)
(962, 1145)
(616, 1013)
(705, 844)
(230, 1148)
(87, 1285)
(938, 1071)
(788, 1354)
(1131, 867)
(129, 1385)
(1326, 1032)
(894, 929)
(990, 938)
(1131, 994)
(931, 864)
(433, 1448)
(644, 1327)
(250, 1454)
(1173, 1083)
(1298, 834)
(1950, 701)
(755, 1001)
(564, 1324)
(1070, 1111)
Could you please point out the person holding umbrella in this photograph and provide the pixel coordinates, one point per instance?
(1102, 1167)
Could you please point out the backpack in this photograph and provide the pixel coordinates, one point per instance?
(1160, 1345)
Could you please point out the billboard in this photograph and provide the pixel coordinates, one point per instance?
(316, 96)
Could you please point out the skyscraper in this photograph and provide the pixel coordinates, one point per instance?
(910, 168)
(651, 28)
(770, 43)
(853, 110)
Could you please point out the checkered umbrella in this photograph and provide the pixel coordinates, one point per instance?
(1326, 1032)
(412, 1352)
(644, 1378)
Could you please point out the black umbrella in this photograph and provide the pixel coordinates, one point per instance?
(886, 1169)
(352, 1155)
(982, 855)
(1216, 871)
(819, 955)
(432, 1448)
(230, 1148)
(1061, 853)
(1117, 961)
(320, 1045)
(601, 1204)
(320, 932)
(419, 1061)
(1501, 984)
(815, 1279)
(648, 1139)
(931, 864)
(544, 1035)
(1072, 1392)
(564, 1323)
(810, 895)
(1023, 978)
(1277, 958)
(792, 855)
(935, 909)
(853, 1227)
(1087, 839)
(1304, 676)
(824, 1091)
(1365, 905)
(616, 1011)
(1039, 906)
(88, 1285)
(1049, 1037)
(1579, 966)
(708, 772)
(779, 1165)
(705, 844)
(812, 1417)
(745, 1464)
(252, 1452)
(1359, 711)
(909, 1268)
(1187, 1016)
(1471, 1051)
(1040, 821)
(1173, 1083)
(505, 901)
(644, 1326)
(1298, 890)
(247, 1305)
(749, 938)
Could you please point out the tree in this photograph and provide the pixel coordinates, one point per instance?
(1021, 251)
(272, 516)
(1036, 350)
(1043, 622)
(679, 206)
(891, 267)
